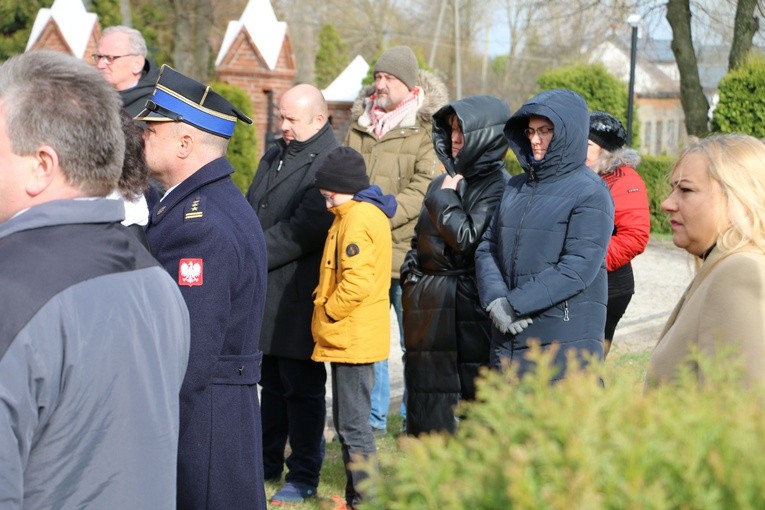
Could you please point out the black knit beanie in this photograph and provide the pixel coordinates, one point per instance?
(607, 131)
(342, 171)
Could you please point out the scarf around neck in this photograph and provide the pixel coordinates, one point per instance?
(383, 121)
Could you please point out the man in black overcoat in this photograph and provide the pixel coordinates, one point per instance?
(295, 222)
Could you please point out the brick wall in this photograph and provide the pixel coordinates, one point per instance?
(51, 39)
(340, 116)
(245, 67)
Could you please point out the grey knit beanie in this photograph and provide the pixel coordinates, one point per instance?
(401, 63)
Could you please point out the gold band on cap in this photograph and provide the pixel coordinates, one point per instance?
(231, 118)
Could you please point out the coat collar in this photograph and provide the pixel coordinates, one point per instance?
(294, 157)
(297, 155)
(212, 171)
(713, 257)
(65, 212)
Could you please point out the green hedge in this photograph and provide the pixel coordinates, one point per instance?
(577, 444)
(655, 172)
(599, 88)
(243, 147)
(741, 108)
(653, 169)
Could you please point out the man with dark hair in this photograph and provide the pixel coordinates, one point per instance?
(208, 238)
(295, 223)
(94, 336)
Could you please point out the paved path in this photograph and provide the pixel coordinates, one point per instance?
(662, 273)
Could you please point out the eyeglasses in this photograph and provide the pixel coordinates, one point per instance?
(541, 131)
(109, 59)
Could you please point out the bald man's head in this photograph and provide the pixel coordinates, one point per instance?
(303, 111)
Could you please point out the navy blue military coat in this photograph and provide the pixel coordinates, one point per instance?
(209, 239)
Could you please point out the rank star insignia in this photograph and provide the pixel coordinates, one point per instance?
(352, 250)
(194, 213)
(191, 272)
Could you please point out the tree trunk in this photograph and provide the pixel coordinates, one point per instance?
(695, 104)
(744, 28)
(125, 13)
(192, 33)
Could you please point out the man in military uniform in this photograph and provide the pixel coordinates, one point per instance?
(208, 238)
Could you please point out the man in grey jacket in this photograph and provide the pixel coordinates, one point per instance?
(94, 337)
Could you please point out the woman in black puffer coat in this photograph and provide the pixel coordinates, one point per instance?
(446, 331)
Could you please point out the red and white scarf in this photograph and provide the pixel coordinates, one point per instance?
(383, 121)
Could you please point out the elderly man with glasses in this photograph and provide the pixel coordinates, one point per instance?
(120, 57)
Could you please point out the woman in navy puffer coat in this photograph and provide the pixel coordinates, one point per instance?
(541, 263)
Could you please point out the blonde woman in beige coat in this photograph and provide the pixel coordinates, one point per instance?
(717, 212)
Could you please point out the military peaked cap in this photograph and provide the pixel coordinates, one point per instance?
(178, 98)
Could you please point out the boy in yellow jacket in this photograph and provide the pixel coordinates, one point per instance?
(351, 318)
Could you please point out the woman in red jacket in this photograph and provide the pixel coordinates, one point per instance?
(616, 164)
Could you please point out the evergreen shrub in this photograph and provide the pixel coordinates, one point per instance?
(578, 444)
(741, 108)
(655, 173)
(243, 147)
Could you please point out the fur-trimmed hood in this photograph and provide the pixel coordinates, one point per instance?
(608, 162)
(434, 96)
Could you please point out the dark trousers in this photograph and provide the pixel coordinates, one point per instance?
(614, 311)
(351, 403)
(293, 406)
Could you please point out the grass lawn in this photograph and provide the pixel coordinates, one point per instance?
(630, 365)
(332, 472)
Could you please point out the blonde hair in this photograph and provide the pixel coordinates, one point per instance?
(737, 163)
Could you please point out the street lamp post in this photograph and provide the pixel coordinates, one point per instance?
(633, 20)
